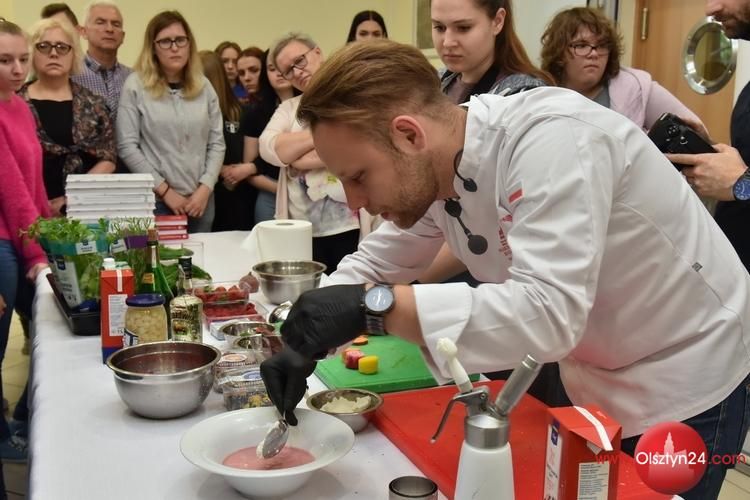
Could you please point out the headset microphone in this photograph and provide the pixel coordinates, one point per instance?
(469, 184)
(477, 244)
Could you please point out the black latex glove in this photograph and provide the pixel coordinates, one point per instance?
(324, 318)
(285, 375)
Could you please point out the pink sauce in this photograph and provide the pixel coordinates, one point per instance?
(289, 456)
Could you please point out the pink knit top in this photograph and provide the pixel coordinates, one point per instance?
(22, 194)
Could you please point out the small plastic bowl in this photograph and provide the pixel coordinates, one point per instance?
(357, 420)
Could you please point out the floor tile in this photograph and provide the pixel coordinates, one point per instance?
(731, 492)
(740, 480)
(16, 478)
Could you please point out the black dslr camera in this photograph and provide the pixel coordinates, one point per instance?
(672, 135)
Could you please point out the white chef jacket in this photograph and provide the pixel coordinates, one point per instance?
(600, 257)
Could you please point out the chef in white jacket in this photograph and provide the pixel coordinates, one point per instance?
(594, 252)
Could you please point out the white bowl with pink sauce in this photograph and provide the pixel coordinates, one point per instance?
(210, 442)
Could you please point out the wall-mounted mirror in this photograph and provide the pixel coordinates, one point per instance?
(709, 57)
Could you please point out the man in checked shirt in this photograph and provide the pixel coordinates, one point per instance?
(102, 73)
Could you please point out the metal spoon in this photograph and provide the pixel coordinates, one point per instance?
(274, 441)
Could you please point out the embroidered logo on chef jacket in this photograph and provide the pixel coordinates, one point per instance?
(505, 225)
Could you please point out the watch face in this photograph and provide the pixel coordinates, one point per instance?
(379, 299)
(742, 189)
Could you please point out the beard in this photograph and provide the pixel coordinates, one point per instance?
(417, 190)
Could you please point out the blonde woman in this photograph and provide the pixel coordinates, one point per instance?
(169, 122)
(307, 190)
(73, 124)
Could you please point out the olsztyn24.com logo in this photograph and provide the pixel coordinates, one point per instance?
(671, 457)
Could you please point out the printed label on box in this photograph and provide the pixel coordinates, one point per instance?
(552, 462)
(67, 282)
(593, 481)
(117, 308)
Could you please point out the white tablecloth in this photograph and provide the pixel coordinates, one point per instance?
(85, 443)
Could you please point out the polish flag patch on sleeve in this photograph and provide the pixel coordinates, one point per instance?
(515, 195)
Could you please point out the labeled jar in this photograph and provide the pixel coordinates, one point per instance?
(233, 360)
(145, 319)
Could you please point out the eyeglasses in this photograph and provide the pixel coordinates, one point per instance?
(299, 63)
(166, 43)
(582, 49)
(46, 48)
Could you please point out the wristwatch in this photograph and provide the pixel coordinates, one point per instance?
(378, 301)
(741, 188)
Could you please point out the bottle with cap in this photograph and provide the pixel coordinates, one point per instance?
(485, 466)
(185, 310)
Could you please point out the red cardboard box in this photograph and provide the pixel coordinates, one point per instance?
(583, 444)
(115, 286)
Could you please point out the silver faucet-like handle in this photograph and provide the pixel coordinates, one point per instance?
(517, 385)
(476, 402)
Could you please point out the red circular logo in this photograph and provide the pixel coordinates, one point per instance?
(671, 457)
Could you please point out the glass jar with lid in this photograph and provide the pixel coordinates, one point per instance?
(145, 319)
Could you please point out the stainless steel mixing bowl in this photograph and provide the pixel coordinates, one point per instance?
(282, 280)
(164, 379)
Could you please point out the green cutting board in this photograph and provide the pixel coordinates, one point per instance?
(400, 367)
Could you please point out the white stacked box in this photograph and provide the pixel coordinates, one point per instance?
(91, 197)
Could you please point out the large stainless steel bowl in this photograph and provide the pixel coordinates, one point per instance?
(282, 280)
(164, 379)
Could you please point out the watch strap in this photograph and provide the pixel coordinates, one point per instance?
(375, 324)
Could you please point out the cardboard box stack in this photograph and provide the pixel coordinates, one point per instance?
(171, 227)
(109, 196)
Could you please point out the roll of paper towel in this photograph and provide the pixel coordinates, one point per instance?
(281, 239)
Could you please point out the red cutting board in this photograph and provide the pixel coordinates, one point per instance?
(409, 419)
(400, 367)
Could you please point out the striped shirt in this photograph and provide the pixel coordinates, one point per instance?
(104, 82)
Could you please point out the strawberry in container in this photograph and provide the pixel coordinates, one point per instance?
(224, 302)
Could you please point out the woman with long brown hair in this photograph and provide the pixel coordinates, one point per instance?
(229, 53)
(477, 42)
(234, 198)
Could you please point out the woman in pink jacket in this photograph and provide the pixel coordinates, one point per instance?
(22, 197)
(581, 48)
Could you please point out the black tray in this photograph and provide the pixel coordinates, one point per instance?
(80, 323)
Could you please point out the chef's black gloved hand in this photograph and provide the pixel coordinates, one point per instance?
(285, 375)
(324, 318)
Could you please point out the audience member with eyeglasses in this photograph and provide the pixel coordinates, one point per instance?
(169, 123)
(586, 261)
(307, 190)
(581, 48)
(73, 124)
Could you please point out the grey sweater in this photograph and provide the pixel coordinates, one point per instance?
(174, 139)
